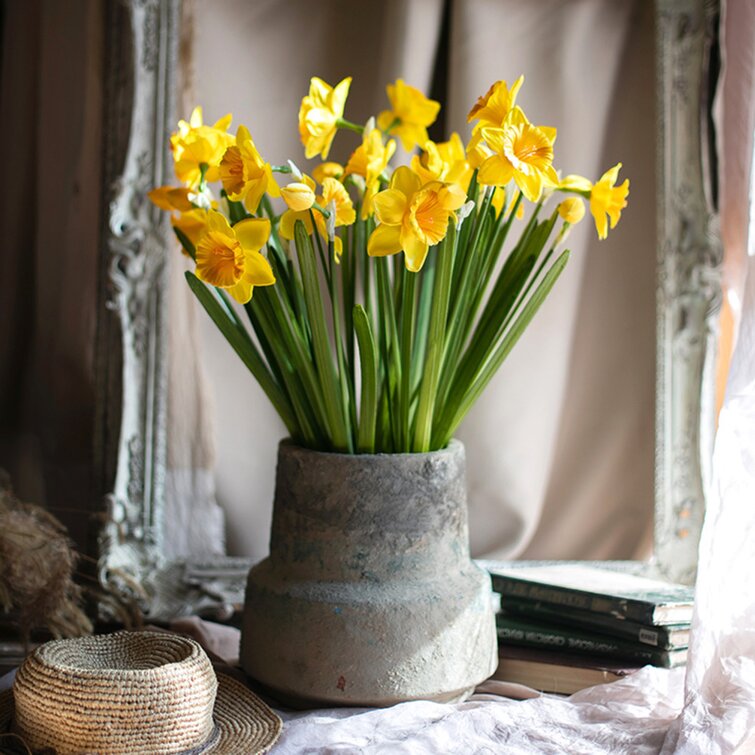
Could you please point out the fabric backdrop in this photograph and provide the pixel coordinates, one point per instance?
(560, 447)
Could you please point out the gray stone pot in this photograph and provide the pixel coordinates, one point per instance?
(369, 596)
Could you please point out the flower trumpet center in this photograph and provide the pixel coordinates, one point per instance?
(527, 149)
(428, 218)
(221, 260)
(232, 171)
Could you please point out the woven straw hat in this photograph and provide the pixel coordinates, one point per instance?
(133, 692)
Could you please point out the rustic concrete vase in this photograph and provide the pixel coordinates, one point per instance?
(369, 596)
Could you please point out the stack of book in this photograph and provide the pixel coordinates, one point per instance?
(590, 623)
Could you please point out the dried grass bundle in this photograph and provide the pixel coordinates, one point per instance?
(36, 566)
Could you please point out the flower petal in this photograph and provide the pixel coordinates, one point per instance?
(384, 240)
(390, 206)
(405, 180)
(252, 233)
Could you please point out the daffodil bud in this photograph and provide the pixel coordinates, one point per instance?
(572, 210)
(298, 196)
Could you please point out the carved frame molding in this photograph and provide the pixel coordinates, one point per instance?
(689, 290)
(142, 75)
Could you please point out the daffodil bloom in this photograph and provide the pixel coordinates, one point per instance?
(289, 217)
(244, 174)
(198, 148)
(492, 108)
(298, 196)
(192, 224)
(572, 210)
(410, 115)
(171, 198)
(335, 198)
(607, 199)
(327, 170)
(521, 152)
(444, 161)
(319, 114)
(413, 216)
(369, 160)
(230, 258)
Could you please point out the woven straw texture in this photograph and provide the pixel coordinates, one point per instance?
(130, 693)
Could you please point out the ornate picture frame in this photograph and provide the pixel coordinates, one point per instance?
(142, 71)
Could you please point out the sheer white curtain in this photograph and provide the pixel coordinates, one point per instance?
(560, 448)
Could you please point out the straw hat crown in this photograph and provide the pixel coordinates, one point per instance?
(135, 692)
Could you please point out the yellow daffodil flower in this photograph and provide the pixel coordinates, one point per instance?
(572, 210)
(298, 196)
(369, 160)
(289, 217)
(327, 170)
(413, 217)
(229, 257)
(410, 115)
(196, 146)
(334, 195)
(445, 161)
(171, 198)
(521, 152)
(492, 108)
(607, 199)
(244, 174)
(319, 114)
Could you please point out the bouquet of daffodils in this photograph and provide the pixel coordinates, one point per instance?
(379, 299)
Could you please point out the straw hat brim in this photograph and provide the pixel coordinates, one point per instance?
(245, 723)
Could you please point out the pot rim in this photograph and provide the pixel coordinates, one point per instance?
(453, 447)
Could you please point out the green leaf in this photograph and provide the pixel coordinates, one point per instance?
(435, 341)
(185, 243)
(245, 348)
(502, 350)
(368, 357)
(326, 372)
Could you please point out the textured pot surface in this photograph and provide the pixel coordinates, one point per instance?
(369, 596)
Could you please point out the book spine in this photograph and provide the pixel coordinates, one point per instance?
(563, 640)
(636, 610)
(657, 637)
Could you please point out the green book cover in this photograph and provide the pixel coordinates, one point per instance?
(591, 588)
(671, 637)
(514, 631)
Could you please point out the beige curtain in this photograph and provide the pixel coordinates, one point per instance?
(560, 448)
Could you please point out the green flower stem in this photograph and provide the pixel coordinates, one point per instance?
(423, 320)
(504, 347)
(408, 316)
(436, 341)
(504, 299)
(459, 321)
(343, 123)
(325, 368)
(281, 169)
(347, 397)
(246, 350)
(296, 366)
(368, 358)
(391, 353)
